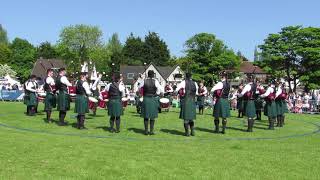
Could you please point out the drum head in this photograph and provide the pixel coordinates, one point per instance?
(92, 99)
(124, 99)
(141, 99)
(72, 94)
(164, 100)
(42, 94)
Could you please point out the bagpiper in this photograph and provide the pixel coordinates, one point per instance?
(202, 92)
(81, 102)
(116, 91)
(270, 109)
(240, 101)
(248, 93)
(282, 108)
(188, 90)
(95, 92)
(30, 95)
(222, 107)
(150, 104)
(258, 100)
(50, 99)
(63, 98)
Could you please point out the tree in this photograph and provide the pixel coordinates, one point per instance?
(80, 39)
(293, 53)
(6, 70)
(156, 50)
(114, 46)
(3, 36)
(23, 57)
(207, 56)
(5, 53)
(46, 51)
(102, 58)
(133, 51)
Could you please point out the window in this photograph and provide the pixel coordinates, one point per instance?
(130, 75)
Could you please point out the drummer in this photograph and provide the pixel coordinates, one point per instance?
(116, 91)
(222, 106)
(168, 91)
(50, 100)
(149, 110)
(63, 99)
(202, 92)
(95, 92)
(81, 103)
(188, 105)
(31, 98)
(103, 98)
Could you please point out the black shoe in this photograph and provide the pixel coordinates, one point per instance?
(146, 133)
(192, 132)
(117, 131)
(62, 123)
(187, 134)
(112, 130)
(151, 133)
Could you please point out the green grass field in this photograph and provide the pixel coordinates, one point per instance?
(33, 149)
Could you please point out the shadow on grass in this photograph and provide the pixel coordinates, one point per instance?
(136, 130)
(237, 129)
(105, 128)
(172, 131)
(204, 129)
(95, 116)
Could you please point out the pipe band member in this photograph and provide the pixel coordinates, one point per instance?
(248, 93)
(95, 92)
(281, 104)
(30, 95)
(202, 92)
(116, 91)
(63, 98)
(149, 107)
(50, 100)
(222, 107)
(81, 102)
(188, 104)
(270, 109)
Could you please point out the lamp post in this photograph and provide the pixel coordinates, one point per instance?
(145, 70)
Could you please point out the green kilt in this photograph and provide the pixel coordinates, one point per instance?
(200, 101)
(31, 99)
(222, 108)
(259, 104)
(281, 107)
(270, 109)
(149, 107)
(63, 101)
(81, 104)
(188, 108)
(250, 109)
(50, 101)
(115, 107)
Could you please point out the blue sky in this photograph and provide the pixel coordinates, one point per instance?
(241, 24)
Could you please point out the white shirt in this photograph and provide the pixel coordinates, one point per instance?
(86, 87)
(157, 84)
(50, 81)
(268, 92)
(205, 90)
(170, 89)
(279, 91)
(183, 85)
(219, 85)
(65, 81)
(94, 85)
(247, 88)
(121, 89)
(30, 85)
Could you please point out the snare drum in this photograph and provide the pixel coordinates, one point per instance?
(92, 102)
(164, 102)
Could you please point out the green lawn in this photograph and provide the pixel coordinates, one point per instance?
(33, 149)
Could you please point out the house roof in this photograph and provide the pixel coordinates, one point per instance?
(42, 65)
(248, 67)
(164, 71)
